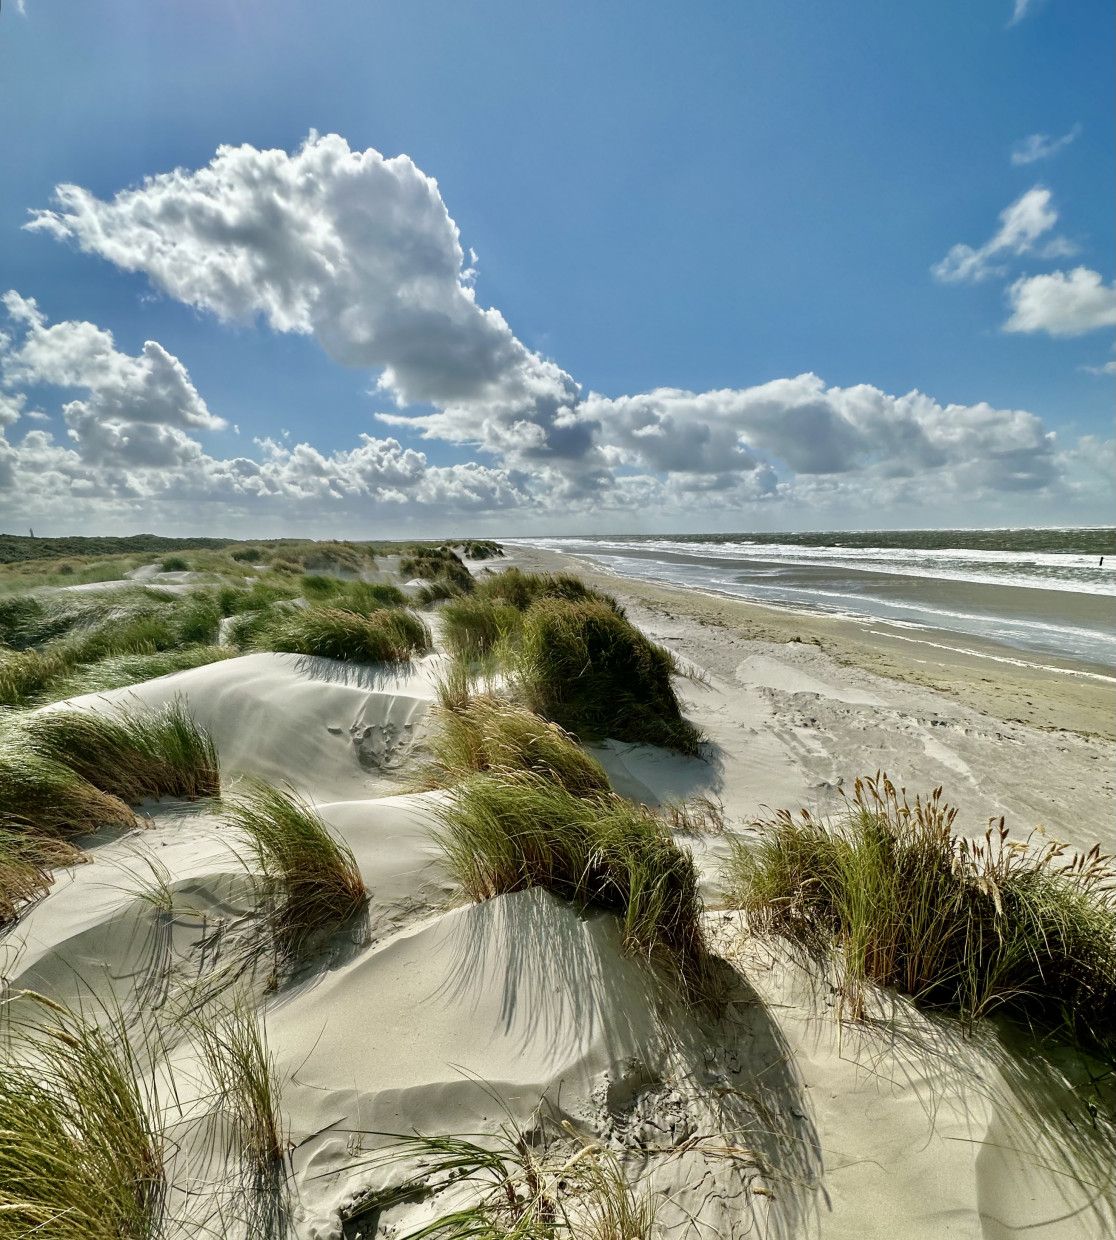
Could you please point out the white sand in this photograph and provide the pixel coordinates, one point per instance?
(901, 1128)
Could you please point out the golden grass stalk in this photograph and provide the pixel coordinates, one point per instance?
(890, 896)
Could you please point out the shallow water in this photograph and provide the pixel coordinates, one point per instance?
(1047, 592)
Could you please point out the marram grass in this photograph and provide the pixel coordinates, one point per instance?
(133, 754)
(519, 589)
(591, 670)
(46, 797)
(26, 861)
(485, 733)
(507, 831)
(312, 884)
(120, 671)
(81, 1146)
(891, 897)
(389, 635)
(233, 1046)
(547, 1184)
(473, 628)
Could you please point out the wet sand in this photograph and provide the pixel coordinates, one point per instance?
(1005, 683)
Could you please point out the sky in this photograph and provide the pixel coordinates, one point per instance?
(377, 268)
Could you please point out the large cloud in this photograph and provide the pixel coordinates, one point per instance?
(1062, 303)
(351, 247)
(360, 252)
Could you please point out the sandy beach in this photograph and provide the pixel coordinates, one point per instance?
(774, 1119)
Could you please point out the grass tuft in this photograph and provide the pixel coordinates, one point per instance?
(25, 864)
(520, 589)
(507, 831)
(473, 628)
(390, 635)
(81, 1150)
(234, 1049)
(312, 882)
(891, 897)
(43, 796)
(519, 1185)
(130, 754)
(119, 671)
(485, 733)
(591, 670)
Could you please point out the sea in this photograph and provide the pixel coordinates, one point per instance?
(1039, 592)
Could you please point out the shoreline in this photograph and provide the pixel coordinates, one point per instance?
(1053, 695)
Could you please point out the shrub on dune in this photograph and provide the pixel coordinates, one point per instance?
(589, 669)
(311, 879)
(481, 549)
(508, 831)
(130, 754)
(25, 864)
(390, 635)
(474, 627)
(891, 897)
(485, 733)
(81, 1146)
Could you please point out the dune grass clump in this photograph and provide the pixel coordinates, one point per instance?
(81, 1145)
(25, 674)
(437, 564)
(439, 591)
(520, 589)
(389, 635)
(486, 733)
(130, 754)
(234, 1048)
(481, 549)
(507, 831)
(46, 797)
(593, 672)
(26, 861)
(119, 671)
(474, 627)
(175, 564)
(312, 884)
(891, 897)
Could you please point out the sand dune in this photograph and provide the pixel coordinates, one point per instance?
(773, 1120)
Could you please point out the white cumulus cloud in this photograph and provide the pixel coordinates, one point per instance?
(353, 248)
(1022, 223)
(360, 252)
(1062, 303)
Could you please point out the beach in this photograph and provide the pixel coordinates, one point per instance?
(776, 1117)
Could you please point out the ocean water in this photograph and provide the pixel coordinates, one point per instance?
(1045, 592)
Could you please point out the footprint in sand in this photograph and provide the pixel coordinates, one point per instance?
(382, 745)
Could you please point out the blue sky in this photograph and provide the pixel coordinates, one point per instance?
(715, 237)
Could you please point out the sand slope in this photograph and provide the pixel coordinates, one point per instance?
(773, 1120)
